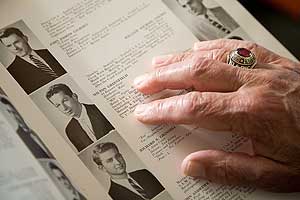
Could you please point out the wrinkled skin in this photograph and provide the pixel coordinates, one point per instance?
(261, 103)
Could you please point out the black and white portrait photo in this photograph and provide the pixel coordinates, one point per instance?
(27, 135)
(39, 150)
(115, 165)
(60, 179)
(25, 58)
(72, 113)
(206, 19)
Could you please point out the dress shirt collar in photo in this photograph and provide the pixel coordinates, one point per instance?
(86, 123)
(27, 59)
(209, 31)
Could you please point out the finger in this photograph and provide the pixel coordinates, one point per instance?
(224, 44)
(208, 110)
(200, 73)
(240, 169)
(263, 55)
(163, 60)
(222, 54)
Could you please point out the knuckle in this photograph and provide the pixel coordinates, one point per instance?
(214, 54)
(160, 107)
(198, 106)
(178, 58)
(251, 111)
(228, 43)
(226, 172)
(249, 100)
(240, 120)
(182, 56)
(159, 111)
(221, 171)
(192, 103)
(219, 54)
(199, 66)
(252, 46)
(157, 75)
(264, 177)
(222, 41)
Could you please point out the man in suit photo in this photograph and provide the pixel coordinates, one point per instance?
(65, 185)
(135, 185)
(27, 135)
(31, 68)
(87, 123)
(208, 23)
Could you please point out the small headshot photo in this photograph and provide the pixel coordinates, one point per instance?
(25, 58)
(116, 166)
(27, 135)
(138, 184)
(76, 118)
(206, 19)
(61, 180)
(87, 123)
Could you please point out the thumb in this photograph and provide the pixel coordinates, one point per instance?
(241, 169)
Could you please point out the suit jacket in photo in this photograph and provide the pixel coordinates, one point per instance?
(77, 135)
(81, 197)
(224, 18)
(204, 30)
(29, 77)
(144, 178)
(33, 146)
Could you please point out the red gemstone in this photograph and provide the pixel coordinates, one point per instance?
(243, 52)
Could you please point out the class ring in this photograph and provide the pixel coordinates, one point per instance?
(242, 57)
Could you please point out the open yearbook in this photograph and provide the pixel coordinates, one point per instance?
(67, 129)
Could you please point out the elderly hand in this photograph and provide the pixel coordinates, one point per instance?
(261, 103)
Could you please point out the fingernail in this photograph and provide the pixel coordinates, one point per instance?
(161, 59)
(140, 109)
(193, 168)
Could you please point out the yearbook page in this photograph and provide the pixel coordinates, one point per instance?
(69, 66)
(23, 155)
(22, 177)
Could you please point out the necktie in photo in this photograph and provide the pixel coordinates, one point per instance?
(140, 190)
(42, 66)
(217, 24)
